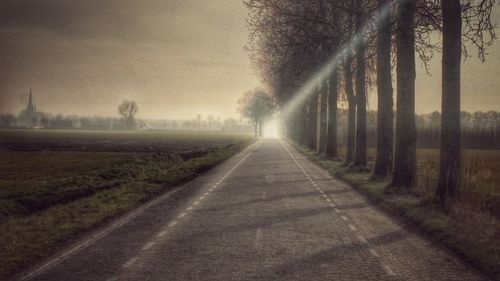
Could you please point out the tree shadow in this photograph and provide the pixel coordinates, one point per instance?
(346, 258)
(283, 197)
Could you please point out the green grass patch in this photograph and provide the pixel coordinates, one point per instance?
(50, 197)
(473, 233)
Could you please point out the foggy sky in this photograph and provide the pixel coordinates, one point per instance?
(176, 58)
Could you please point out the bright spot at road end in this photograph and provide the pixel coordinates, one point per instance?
(271, 129)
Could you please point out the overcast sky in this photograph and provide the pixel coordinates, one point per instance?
(176, 58)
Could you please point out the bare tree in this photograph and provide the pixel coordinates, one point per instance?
(127, 109)
(257, 105)
(405, 158)
(331, 145)
(449, 172)
(351, 109)
(383, 159)
(476, 16)
(360, 155)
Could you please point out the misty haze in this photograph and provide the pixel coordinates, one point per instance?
(249, 140)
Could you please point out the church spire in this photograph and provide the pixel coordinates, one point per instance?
(30, 104)
(31, 100)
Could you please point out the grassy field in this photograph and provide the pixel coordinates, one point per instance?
(471, 227)
(113, 141)
(481, 177)
(54, 193)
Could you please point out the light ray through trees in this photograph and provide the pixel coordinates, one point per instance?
(334, 62)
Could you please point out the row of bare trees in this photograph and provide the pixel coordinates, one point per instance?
(313, 54)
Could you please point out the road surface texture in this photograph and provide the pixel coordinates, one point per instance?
(266, 214)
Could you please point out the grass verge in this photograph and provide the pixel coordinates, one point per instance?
(472, 235)
(27, 237)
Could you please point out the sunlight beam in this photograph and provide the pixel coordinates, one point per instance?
(335, 61)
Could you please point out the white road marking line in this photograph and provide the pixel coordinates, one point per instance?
(202, 197)
(373, 252)
(206, 193)
(326, 196)
(352, 227)
(172, 224)
(361, 239)
(96, 237)
(148, 246)
(182, 215)
(388, 269)
(130, 262)
(189, 208)
(332, 205)
(196, 203)
(328, 200)
(161, 234)
(56, 260)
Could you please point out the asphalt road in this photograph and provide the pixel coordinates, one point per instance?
(266, 214)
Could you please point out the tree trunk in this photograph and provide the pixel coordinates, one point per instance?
(331, 144)
(449, 171)
(383, 158)
(304, 124)
(360, 157)
(351, 117)
(405, 154)
(313, 120)
(323, 115)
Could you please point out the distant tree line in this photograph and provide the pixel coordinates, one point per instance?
(59, 121)
(480, 130)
